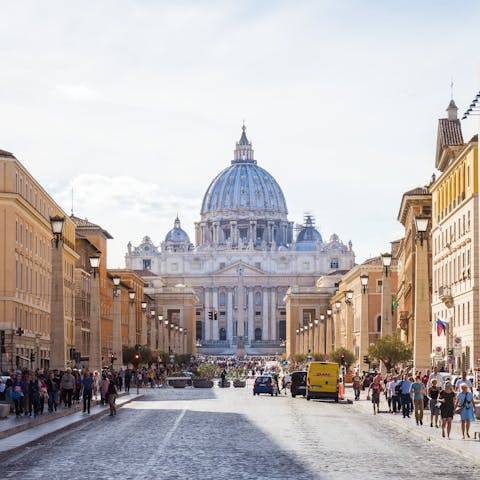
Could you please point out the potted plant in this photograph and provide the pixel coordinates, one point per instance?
(238, 376)
(205, 374)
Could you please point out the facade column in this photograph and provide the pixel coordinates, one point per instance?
(95, 354)
(229, 314)
(132, 324)
(240, 314)
(364, 337)
(207, 308)
(265, 314)
(273, 314)
(58, 350)
(422, 326)
(251, 316)
(386, 304)
(215, 307)
(117, 326)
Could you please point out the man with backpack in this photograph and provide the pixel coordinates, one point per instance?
(87, 383)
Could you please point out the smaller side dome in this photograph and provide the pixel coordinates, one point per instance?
(177, 234)
(308, 237)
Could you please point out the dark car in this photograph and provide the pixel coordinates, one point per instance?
(298, 384)
(265, 384)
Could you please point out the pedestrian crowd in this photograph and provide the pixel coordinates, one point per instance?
(409, 393)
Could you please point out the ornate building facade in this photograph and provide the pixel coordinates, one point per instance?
(245, 258)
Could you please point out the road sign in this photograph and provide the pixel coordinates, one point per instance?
(284, 362)
(451, 359)
(438, 350)
(309, 359)
(172, 358)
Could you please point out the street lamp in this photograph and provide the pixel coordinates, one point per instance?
(421, 225)
(95, 353)
(57, 223)
(144, 305)
(386, 261)
(348, 296)
(338, 304)
(364, 282)
(116, 284)
(131, 295)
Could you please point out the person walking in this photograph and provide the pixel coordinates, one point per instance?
(463, 380)
(96, 383)
(376, 389)
(418, 391)
(447, 408)
(112, 393)
(128, 378)
(432, 394)
(52, 390)
(357, 385)
(465, 402)
(67, 386)
(405, 396)
(87, 384)
(104, 389)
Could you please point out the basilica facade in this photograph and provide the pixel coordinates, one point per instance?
(245, 257)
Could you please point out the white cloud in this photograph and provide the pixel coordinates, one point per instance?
(77, 92)
(127, 208)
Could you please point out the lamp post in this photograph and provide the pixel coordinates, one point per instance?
(132, 324)
(151, 327)
(58, 349)
(316, 329)
(144, 332)
(117, 325)
(332, 330)
(422, 302)
(364, 336)
(159, 330)
(164, 335)
(386, 295)
(180, 338)
(312, 336)
(323, 321)
(95, 353)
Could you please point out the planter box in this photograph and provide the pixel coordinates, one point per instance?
(227, 384)
(177, 383)
(202, 383)
(4, 410)
(239, 383)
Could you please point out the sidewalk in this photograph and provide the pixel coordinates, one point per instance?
(469, 447)
(16, 433)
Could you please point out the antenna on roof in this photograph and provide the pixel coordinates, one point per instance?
(451, 88)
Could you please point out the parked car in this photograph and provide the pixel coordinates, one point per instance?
(298, 384)
(265, 384)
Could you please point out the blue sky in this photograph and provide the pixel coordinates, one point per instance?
(138, 104)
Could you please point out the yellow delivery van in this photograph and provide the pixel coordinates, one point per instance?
(322, 380)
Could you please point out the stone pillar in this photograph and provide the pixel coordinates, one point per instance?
(229, 314)
(273, 314)
(132, 325)
(422, 326)
(58, 350)
(143, 333)
(240, 314)
(215, 308)
(251, 315)
(386, 304)
(364, 337)
(117, 327)
(95, 354)
(349, 326)
(265, 314)
(207, 308)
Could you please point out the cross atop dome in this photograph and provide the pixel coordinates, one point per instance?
(243, 153)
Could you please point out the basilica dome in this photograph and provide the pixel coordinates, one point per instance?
(244, 190)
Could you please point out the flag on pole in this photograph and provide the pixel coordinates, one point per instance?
(394, 304)
(441, 327)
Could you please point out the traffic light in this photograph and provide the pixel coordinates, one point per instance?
(113, 357)
(342, 359)
(210, 315)
(19, 331)
(136, 357)
(32, 357)
(366, 359)
(215, 315)
(450, 351)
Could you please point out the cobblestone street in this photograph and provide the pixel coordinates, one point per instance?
(195, 433)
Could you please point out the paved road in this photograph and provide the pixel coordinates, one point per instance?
(229, 434)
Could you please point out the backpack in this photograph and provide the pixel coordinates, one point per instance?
(398, 388)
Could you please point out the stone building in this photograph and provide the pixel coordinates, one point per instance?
(26, 263)
(455, 247)
(245, 258)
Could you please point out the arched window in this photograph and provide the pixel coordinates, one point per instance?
(379, 323)
(258, 298)
(258, 334)
(222, 334)
(222, 299)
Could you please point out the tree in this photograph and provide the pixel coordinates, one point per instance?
(336, 356)
(390, 350)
